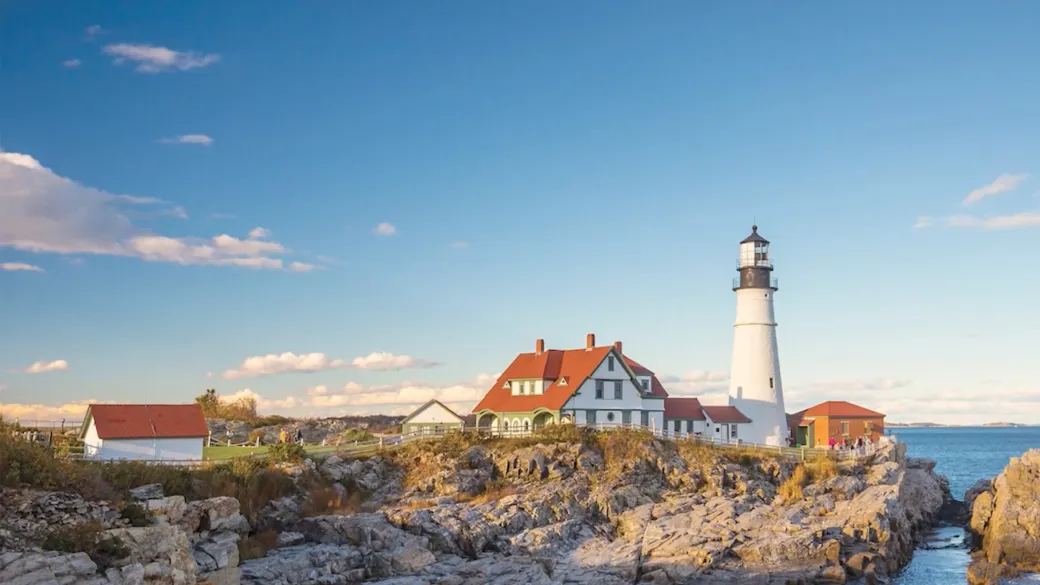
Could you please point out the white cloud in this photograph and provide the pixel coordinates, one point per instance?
(41, 211)
(407, 395)
(301, 267)
(284, 363)
(384, 229)
(259, 233)
(13, 266)
(460, 244)
(389, 361)
(94, 30)
(998, 222)
(1002, 184)
(71, 412)
(288, 362)
(188, 139)
(71, 63)
(43, 367)
(153, 59)
(922, 222)
(264, 405)
(701, 383)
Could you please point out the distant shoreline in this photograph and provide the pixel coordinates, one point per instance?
(928, 425)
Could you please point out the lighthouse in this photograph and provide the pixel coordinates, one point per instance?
(755, 387)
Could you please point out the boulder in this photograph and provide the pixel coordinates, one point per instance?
(152, 491)
(1007, 520)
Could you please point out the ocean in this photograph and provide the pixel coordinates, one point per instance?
(963, 455)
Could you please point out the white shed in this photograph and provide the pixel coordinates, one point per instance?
(144, 432)
(432, 418)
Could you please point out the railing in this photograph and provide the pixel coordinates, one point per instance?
(391, 442)
(754, 264)
(45, 425)
(773, 282)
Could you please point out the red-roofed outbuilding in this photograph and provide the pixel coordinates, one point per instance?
(835, 419)
(144, 431)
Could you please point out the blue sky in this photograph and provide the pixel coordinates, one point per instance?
(547, 169)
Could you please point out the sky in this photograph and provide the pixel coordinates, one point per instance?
(351, 208)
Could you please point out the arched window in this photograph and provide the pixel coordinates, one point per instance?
(527, 425)
(505, 424)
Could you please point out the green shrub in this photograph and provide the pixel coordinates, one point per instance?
(136, 514)
(87, 537)
(287, 452)
(272, 420)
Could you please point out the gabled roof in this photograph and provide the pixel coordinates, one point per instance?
(725, 414)
(146, 421)
(840, 408)
(429, 404)
(656, 388)
(684, 408)
(574, 365)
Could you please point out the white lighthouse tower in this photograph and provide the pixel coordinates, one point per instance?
(755, 387)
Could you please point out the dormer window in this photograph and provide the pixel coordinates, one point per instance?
(563, 381)
(646, 384)
(506, 384)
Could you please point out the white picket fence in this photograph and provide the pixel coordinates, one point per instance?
(381, 443)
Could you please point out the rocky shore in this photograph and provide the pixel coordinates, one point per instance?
(621, 511)
(1006, 522)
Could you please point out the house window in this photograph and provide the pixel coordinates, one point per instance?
(527, 425)
(844, 427)
(644, 418)
(733, 431)
(590, 417)
(770, 382)
(505, 425)
(610, 363)
(610, 417)
(599, 389)
(617, 390)
(646, 384)
(678, 426)
(689, 426)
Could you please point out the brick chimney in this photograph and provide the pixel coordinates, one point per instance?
(539, 346)
(617, 346)
(590, 341)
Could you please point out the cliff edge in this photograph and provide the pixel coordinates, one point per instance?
(1006, 521)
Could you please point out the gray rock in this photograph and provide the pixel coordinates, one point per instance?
(152, 491)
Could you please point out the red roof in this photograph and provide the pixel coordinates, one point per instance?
(684, 408)
(147, 421)
(725, 414)
(841, 408)
(573, 365)
(656, 389)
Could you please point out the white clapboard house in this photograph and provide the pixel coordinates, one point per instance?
(170, 432)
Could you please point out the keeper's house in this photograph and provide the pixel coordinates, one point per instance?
(144, 431)
(597, 386)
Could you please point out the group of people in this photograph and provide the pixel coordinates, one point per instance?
(294, 436)
(845, 443)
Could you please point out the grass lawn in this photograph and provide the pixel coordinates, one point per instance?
(217, 452)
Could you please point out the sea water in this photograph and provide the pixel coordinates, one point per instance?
(964, 455)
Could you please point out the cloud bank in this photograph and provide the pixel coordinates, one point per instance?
(291, 363)
(43, 212)
(44, 367)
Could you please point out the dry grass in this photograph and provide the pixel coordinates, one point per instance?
(257, 545)
(494, 491)
(322, 500)
(807, 473)
(418, 504)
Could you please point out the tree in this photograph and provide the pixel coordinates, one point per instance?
(210, 403)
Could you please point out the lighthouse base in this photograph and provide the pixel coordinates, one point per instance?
(768, 422)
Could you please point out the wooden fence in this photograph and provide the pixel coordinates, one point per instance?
(348, 449)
